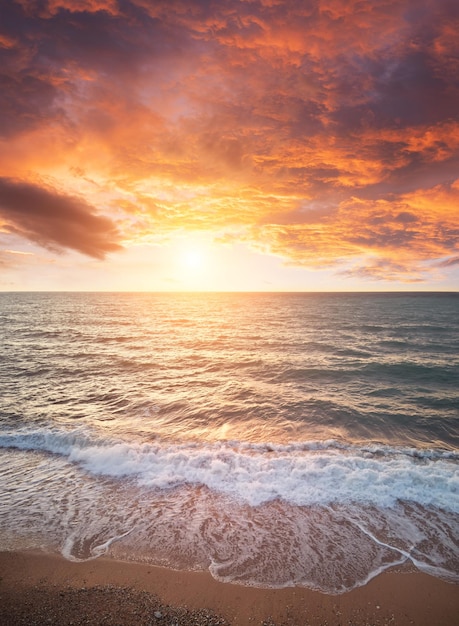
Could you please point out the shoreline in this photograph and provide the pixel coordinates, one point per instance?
(48, 588)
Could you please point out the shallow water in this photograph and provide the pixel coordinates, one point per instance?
(276, 439)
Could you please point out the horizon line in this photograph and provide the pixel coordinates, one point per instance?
(222, 291)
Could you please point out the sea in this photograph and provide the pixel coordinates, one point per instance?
(273, 439)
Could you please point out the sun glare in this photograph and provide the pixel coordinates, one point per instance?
(193, 265)
(193, 260)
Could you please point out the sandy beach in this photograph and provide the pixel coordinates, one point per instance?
(38, 588)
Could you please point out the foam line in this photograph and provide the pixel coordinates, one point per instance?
(407, 556)
(366, 532)
(95, 551)
(305, 474)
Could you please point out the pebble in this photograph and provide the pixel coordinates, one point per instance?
(97, 606)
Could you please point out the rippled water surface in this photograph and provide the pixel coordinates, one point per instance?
(276, 439)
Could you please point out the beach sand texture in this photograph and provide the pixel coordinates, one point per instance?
(38, 588)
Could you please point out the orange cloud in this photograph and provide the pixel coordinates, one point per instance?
(396, 237)
(48, 8)
(325, 132)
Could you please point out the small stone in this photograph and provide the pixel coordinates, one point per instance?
(158, 614)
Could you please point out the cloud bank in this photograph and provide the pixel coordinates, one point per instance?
(324, 131)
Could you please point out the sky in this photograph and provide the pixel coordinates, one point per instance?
(273, 145)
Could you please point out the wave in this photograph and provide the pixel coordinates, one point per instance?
(302, 474)
(323, 514)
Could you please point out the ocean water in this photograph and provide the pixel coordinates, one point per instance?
(273, 439)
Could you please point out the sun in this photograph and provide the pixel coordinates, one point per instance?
(194, 263)
(193, 260)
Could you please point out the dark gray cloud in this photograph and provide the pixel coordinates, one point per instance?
(55, 220)
(45, 55)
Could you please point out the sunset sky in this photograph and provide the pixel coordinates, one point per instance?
(229, 145)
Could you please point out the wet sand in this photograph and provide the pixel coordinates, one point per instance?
(36, 588)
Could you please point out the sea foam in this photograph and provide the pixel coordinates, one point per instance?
(303, 474)
(322, 514)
